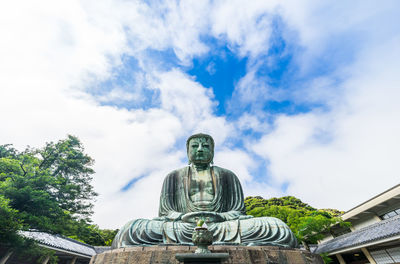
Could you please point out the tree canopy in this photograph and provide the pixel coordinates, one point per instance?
(48, 189)
(307, 223)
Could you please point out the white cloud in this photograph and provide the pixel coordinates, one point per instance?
(256, 123)
(246, 25)
(345, 156)
(325, 29)
(251, 90)
(117, 95)
(211, 68)
(238, 161)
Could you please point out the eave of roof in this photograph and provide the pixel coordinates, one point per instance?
(373, 233)
(393, 192)
(102, 249)
(58, 242)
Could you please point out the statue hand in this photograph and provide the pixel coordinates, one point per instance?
(174, 216)
(234, 215)
(170, 217)
(243, 217)
(207, 216)
(160, 218)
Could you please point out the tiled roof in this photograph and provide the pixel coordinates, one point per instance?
(60, 242)
(378, 231)
(101, 249)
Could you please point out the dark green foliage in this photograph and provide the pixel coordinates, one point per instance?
(9, 222)
(29, 250)
(326, 258)
(93, 235)
(50, 187)
(107, 236)
(288, 201)
(71, 169)
(307, 223)
(10, 225)
(332, 212)
(47, 189)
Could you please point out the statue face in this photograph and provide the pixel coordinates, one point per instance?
(200, 150)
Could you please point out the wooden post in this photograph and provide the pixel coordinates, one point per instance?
(4, 259)
(73, 260)
(369, 257)
(340, 258)
(46, 260)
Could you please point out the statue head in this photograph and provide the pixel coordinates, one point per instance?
(200, 149)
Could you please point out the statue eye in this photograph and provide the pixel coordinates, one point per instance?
(206, 146)
(195, 146)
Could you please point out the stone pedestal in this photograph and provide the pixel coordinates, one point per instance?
(198, 258)
(237, 255)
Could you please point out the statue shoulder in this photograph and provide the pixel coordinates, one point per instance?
(177, 172)
(174, 177)
(223, 171)
(231, 183)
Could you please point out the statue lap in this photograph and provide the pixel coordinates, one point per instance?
(253, 231)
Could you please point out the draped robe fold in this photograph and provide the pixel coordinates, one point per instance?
(228, 201)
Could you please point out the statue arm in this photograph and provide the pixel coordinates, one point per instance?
(233, 197)
(169, 209)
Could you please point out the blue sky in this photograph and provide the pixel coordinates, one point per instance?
(301, 97)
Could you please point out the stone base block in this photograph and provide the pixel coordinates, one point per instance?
(237, 255)
(194, 258)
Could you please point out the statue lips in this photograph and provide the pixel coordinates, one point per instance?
(202, 156)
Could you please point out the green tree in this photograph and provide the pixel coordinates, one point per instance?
(47, 189)
(9, 222)
(10, 225)
(307, 223)
(288, 201)
(314, 227)
(71, 169)
(93, 235)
